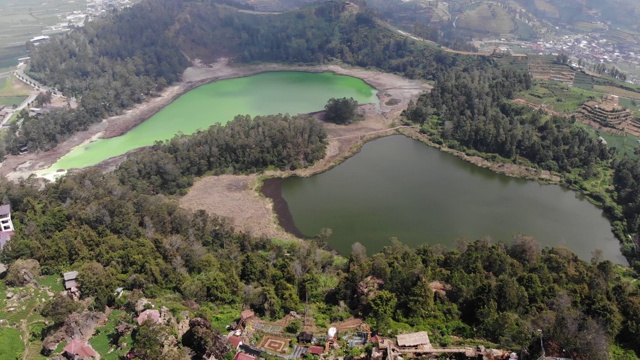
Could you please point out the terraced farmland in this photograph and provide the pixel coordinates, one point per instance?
(544, 67)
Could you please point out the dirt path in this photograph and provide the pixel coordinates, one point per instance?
(389, 87)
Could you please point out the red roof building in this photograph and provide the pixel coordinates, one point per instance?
(243, 356)
(150, 315)
(316, 350)
(79, 349)
(235, 341)
(244, 315)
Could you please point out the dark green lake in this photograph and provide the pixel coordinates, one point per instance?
(399, 187)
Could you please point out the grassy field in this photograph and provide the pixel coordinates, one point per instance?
(625, 144)
(622, 36)
(102, 341)
(524, 31)
(487, 18)
(22, 323)
(13, 87)
(12, 100)
(11, 346)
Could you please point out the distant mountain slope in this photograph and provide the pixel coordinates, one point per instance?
(620, 13)
(487, 18)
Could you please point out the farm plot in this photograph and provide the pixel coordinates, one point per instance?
(275, 344)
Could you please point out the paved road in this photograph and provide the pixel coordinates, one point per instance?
(20, 74)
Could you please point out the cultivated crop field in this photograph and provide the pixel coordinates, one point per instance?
(20, 20)
(618, 91)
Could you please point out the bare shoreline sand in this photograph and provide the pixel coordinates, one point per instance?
(389, 86)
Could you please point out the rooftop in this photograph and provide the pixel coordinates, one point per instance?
(245, 314)
(316, 350)
(414, 339)
(71, 275)
(235, 341)
(243, 356)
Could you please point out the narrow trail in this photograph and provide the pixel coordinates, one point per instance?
(369, 133)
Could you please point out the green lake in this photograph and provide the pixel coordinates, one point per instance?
(399, 187)
(218, 102)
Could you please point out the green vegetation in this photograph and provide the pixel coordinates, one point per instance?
(341, 111)
(557, 96)
(11, 346)
(626, 145)
(487, 18)
(12, 100)
(102, 340)
(221, 149)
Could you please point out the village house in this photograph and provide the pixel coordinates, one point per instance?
(316, 350)
(71, 283)
(235, 341)
(305, 337)
(243, 356)
(414, 340)
(80, 350)
(6, 226)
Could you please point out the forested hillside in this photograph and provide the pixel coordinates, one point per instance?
(123, 59)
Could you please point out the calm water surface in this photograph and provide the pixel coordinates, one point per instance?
(218, 102)
(399, 187)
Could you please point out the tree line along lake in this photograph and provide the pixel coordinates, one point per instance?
(399, 187)
(292, 92)
(395, 187)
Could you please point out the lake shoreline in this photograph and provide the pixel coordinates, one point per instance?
(16, 167)
(269, 183)
(272, 189)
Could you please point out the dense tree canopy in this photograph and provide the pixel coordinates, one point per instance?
(341, 111)
(242, 145)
